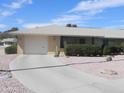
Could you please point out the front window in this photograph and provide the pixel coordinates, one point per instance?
(82, 41)
(71, 40)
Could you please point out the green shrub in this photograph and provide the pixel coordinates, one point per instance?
(72, 50)
(11, 49)
(112, 50)
(92, 50)
(122, 46)
(83, 50)
(57, 53)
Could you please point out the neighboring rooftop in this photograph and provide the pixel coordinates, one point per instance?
(55, 30)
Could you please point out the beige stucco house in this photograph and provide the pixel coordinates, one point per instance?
(48, 39)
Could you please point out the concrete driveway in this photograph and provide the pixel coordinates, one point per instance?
(59, 79)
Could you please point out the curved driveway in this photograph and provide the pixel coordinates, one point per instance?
(57, 80)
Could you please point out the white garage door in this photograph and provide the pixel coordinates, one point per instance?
(36, 45)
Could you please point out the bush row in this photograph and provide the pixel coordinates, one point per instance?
(91, 50)
(82, 50)
(112, 50)
(11, 49)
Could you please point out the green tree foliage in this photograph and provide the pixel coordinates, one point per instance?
(6, 34)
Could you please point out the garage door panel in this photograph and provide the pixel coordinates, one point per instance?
(36, 45)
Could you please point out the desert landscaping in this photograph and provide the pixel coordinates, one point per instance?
(98, 66)
(94, 66)
(9, 84)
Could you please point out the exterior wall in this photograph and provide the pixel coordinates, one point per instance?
(20, 45)
(53, 44)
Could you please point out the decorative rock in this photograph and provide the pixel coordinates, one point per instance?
(108, 58)
(5, 75)
(109, 72)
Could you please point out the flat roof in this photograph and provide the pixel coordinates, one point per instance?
(55, 30)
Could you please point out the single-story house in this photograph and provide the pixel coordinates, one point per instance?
(48, 39)
(8, 42)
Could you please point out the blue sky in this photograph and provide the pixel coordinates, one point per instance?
(84, 13)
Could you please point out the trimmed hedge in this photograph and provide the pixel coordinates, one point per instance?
(122, 49)
(92, 50)
(122, 46)
(83, 50)
(112, 50)
(11, 49)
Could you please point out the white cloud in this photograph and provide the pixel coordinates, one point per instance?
(82, 12)
(17, 4)
(97, 5)
(66, 19)
(2, 26)
(71, 18)
(13, 5)
(10, 9)
(29, 1)
(33, 25)
(87, 10)
(19, 21)
(122, 21)
(6, 13)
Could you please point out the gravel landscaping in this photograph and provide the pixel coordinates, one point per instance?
(10, 85)
(2, 51)
(97, 66)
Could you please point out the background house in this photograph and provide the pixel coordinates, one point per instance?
(8, 42)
